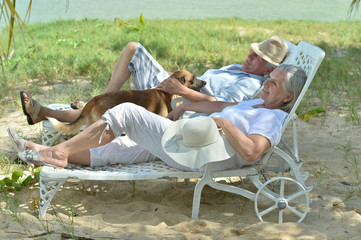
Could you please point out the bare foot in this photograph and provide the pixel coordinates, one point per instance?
(54, 156)
(46, 157)
(34, 146)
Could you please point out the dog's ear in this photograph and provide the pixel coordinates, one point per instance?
(182, 80)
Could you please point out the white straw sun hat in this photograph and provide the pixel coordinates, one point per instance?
(195, 142)
(273, 50)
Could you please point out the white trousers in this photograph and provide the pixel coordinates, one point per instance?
(144, 131)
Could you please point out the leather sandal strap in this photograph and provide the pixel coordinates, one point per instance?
(33, 108)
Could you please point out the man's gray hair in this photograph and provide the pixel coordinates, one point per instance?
(270, 65)
(295, 80)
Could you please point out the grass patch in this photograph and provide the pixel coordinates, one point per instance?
(62, 51)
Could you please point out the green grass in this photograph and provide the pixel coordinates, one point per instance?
(66, 50)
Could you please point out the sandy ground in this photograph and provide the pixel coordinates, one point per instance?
(161, 209)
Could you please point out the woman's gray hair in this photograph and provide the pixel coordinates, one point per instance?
(295, 80)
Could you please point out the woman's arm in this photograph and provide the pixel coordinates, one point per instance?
(200, 107)
(248, 147)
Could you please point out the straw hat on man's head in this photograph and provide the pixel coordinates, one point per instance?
(273, 50)
(195, 142)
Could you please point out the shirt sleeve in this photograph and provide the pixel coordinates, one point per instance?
(269, 124)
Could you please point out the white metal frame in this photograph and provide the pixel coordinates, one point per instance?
(306, 55)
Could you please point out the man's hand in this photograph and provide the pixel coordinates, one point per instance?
(171, 85)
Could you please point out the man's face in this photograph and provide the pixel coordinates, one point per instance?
(256, 65)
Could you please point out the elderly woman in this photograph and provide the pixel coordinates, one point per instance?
(250, 127)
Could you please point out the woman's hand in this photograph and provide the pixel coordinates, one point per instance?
(176, 113)
(220, 121)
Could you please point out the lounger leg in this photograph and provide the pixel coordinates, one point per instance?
(198, 191)
(48, 188)
(197, 198)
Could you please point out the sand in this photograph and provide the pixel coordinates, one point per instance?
(161, 209)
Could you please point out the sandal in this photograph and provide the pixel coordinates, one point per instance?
(31, 109)
(77, 105)
(33, 157)
(18, 141)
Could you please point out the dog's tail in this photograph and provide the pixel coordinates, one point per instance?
(72, 127)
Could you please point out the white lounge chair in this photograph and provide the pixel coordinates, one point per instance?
(281, 186)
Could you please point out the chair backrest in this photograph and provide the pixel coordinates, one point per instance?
(309, 57)
(291, 49)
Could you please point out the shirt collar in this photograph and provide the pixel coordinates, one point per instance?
(258, 77)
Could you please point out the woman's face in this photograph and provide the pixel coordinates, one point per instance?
(273, 92)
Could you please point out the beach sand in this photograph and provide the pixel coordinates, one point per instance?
(161, 209)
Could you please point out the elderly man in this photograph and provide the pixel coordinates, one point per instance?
(231, 83)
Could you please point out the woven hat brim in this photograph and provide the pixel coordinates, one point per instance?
(194, 157)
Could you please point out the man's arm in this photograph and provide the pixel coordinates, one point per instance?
(173, 86)
(200, 107)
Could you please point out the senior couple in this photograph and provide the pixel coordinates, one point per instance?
(237, 132)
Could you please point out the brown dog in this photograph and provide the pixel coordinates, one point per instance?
(153, 100)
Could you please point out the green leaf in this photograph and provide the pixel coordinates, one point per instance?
(316, 110)
(141, 21)
(134, 27)
(307, 117)
(13, 15)
(26, 181)
(17, 174)
(17, 186)
(8, 182)
(312, 113)
(37, 173)
(121, 22)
